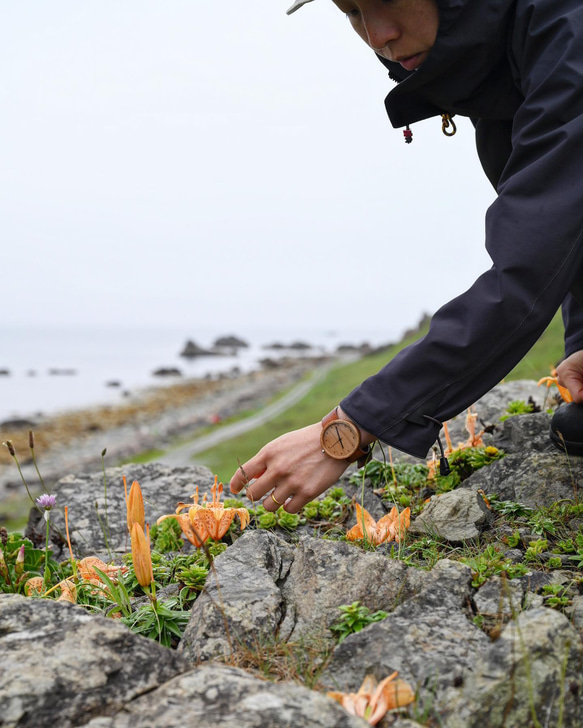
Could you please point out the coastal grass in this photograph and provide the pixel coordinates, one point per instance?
(223, 459)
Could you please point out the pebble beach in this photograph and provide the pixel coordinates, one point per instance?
(72, 442)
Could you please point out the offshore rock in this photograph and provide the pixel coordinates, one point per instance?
(231, 342)
(60, 666)
(192, 350)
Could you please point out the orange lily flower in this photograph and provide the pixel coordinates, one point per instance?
(87, 571)
(473, 439)
(553, 379)
(135, 506)
(389, 528)
(141, 557)
(209, 520)
(213, 517)
(68, 591)
(372, 701)
(34, 586)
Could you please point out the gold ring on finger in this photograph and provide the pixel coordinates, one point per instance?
(274, 499)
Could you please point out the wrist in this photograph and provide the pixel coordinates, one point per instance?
(365, 437)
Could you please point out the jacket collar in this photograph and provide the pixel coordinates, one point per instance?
(471, 42)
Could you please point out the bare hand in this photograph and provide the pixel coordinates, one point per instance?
(292, 466)
(570, 375)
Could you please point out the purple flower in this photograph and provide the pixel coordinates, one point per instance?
(46, 501)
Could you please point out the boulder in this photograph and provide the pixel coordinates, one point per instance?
(217, 696)
(455, 516)
(61, 665)
(533, 669)
(535, 479)
(287, 593)
(499, 597)
(430, 638)
(162, 486)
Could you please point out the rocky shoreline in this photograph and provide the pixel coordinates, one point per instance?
(73, 441)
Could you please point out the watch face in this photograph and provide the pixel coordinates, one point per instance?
(340, 439)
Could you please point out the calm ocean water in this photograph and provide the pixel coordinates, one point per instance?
(128, 355)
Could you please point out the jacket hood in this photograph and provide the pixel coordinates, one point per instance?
(470, 46)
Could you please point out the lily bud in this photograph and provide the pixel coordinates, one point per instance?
(141, 557)
(19, 563)
(135, 507)
(3, 567)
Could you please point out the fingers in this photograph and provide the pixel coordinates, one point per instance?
(292, 468)
(246, 473)
(570, 375)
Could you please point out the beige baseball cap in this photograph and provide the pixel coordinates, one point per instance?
(297, 5)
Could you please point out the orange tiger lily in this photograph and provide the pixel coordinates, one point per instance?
(389, 528)
(209, 520)
(372, 701)
(553, 379)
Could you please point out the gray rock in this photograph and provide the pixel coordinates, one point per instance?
(536, 480)
(577, 612)
(163, 487)
(456, 516)
(247, 607)
(60, 665)
(429, 639)
(522, 434)
(217, 696)
(498, 597)
(327, 574)
(492, 406)
(287, 593)
(494, 403)
(522, 673)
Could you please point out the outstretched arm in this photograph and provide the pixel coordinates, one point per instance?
(292, 466)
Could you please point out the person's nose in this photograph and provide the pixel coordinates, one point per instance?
(380, 31)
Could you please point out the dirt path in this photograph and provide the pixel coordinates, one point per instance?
(184, 454)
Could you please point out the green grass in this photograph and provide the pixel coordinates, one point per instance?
(223, 459)
(144, 457)
(545, 354)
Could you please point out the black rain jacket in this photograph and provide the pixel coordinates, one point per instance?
(516, 68)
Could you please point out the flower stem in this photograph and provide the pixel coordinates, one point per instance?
(103, 531)
(31, 446)
(46, 572)
(105, 493)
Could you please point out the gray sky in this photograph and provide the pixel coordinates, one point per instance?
(186, 160)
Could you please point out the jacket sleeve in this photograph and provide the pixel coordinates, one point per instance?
(533, 236)
(573, 320)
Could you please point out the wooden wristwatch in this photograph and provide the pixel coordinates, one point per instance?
(340, 439)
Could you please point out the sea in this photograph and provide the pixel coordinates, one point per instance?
(48, 370)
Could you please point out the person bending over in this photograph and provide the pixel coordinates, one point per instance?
(515, 68)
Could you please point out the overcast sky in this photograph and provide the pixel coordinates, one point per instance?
(183, 161)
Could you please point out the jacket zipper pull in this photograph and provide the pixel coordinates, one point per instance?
(408, 134)
(446, 122)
